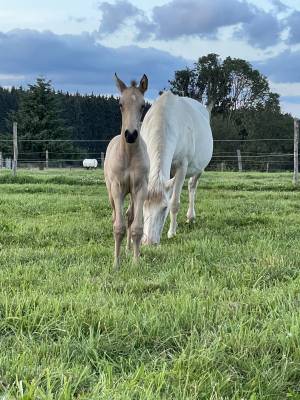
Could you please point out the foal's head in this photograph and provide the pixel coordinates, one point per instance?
(132, 105)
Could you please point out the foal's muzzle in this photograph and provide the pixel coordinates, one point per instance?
(131, 137)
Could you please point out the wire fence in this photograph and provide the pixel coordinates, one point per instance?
(237, 158)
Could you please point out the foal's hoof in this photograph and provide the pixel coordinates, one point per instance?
(136, 260)
(128, 250)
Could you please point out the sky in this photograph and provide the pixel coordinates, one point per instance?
(80, 44)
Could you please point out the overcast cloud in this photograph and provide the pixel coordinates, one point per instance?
(262, 31)
(115, 15)
(284, 67)
(133, 37)
(77, 62)
(293, 25)
(197, 18)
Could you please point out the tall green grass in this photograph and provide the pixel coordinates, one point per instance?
(210, 314)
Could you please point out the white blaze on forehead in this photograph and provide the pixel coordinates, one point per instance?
(133, 97)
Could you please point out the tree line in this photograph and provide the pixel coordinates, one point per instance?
(243, 108)
(65, 124)
(239, 97)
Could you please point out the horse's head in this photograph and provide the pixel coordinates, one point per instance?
(156, 210)
(132, 105)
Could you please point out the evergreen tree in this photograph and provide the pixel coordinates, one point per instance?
(9, 102)
(40, 124)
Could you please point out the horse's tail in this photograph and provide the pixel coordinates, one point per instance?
(209, 107)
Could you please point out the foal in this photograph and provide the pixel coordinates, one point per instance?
(126, 168)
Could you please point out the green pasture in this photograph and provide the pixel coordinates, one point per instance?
(211, 314)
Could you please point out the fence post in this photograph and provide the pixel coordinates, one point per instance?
(239, 156)
(267, 169)
(222, 166)
(47, 159)
(296, 147)
(8, 163)
(1, 160)
(102, 159)
(15, 143)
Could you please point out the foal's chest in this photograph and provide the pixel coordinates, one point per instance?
(133, 180)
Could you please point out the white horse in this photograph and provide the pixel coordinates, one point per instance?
(179, 142)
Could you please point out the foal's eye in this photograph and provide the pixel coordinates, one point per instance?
(121, 106)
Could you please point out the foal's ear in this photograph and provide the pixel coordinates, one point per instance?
(120, 84)
(143, 84)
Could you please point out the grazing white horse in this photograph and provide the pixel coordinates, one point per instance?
(179, 143)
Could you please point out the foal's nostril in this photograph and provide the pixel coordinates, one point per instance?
(131, 136)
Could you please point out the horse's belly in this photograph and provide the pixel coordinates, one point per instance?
(193, 170)
(196, 156)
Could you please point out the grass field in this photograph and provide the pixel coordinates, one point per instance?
(211, 314)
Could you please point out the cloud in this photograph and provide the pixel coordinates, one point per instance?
(284, 67)
(293, 23)
(279, 6)
(262, 31)
(11, 78)
(78, 20)
(198, 18)
(291, 99)
(289, 96)
(145, 28)
(77, 62)
(115, 15)
(290, 107)
(286, 89)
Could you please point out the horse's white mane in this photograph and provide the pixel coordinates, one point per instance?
(156, 179)
(157, 147)
(156, 187)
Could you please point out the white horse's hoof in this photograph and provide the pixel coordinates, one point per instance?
(171, 235)
(191, 221)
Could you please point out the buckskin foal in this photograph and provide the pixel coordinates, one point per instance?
(126, 168)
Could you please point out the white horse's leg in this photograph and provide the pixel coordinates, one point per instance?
(175, 200)
(137, 225)
(193, 183)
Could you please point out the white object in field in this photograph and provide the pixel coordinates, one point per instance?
(90, 163)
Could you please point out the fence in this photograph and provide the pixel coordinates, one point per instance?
(237, 159)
